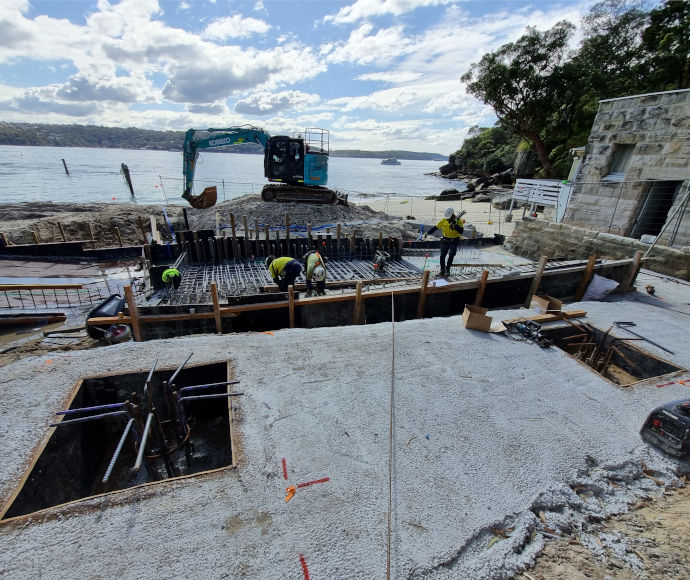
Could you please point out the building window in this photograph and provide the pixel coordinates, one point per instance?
(619, 162)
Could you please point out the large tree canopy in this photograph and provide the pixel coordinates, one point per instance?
(523, 82)
(548, 94)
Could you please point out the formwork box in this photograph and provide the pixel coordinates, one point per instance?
(321, 315)
(380, 309)
(447, 303)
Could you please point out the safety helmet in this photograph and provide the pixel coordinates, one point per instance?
(269, 260)
(319, 273)
(449, 212)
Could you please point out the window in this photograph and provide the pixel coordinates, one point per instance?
(619, 162)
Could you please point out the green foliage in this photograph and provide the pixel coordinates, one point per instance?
(523, 82)
(667, 42)
(489, 150)
(549, 95)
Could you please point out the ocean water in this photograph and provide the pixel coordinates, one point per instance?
(38, 174)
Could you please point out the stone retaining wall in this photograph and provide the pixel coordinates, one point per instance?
(535, 238)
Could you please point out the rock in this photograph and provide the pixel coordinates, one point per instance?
(469, 188)
(446, 192)
(447, 168)
(525, 164)
(482, 197)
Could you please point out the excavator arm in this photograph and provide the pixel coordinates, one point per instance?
(218, 138)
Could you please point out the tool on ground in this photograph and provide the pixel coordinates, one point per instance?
(380, 260)
(668, 428)
(625, 326)
(524, 329)
(291, 489)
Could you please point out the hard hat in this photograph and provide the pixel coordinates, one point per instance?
(449, 212)
(269, 260)
(319, 273)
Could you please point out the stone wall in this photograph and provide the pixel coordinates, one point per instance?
(535, 238)
(658, 125)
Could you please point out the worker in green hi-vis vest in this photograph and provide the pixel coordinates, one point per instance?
(172, 276)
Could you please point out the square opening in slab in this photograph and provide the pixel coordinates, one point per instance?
(183, 417)
(616, 358)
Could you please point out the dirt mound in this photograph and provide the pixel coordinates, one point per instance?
(48, 220)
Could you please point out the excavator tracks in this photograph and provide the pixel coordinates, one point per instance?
(302, 194)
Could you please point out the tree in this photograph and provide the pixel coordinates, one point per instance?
(611, 58)
(523, 82)
(667, 42)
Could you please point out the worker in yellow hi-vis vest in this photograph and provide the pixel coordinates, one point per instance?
(451, 228)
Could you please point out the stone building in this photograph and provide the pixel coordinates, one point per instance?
(635, 175)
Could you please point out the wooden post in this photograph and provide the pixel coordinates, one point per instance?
(216, 308)
(338, 241)
(287, 226)
(143, 229)
(147, 252)
(133, 313)
(358, 304)
(309, 235)
(234, 236)
(256, 229)
(268, 236)
(37, 240)
(291, 304)
(535, 281)
(480, 289)
(352, 243)
(62, 232)
(380, 240)
(64, 164)
(5, 240)
(422, 294)
(232, 226)
(119, 237)
(586, 277)
(246, 236)
(632, 273)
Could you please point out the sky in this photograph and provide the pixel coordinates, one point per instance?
(378, 74)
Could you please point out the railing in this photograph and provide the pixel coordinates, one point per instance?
(654, 211)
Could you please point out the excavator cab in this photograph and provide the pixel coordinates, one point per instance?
(298, 160)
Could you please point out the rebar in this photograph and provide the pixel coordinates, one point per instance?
(118, 449)
(142, 444)
(89, 418)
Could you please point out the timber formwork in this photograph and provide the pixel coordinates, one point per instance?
(356, 300)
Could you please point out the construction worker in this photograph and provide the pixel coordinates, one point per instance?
(284, 271)
(172, 276)
(451, 229)
(315, 270)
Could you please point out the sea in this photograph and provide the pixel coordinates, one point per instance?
(88, 175)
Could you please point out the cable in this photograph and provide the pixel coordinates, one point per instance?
(390, 437)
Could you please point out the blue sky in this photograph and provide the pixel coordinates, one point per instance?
(379, 74)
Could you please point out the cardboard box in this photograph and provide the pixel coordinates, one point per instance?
(544, 303)
(475, 318)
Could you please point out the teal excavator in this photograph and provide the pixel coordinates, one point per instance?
(297, 165)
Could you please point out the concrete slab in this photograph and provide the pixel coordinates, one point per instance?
(485, 434)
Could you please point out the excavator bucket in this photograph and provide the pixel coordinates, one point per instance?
(207, 198)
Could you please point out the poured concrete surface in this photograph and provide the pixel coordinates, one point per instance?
(486, 433)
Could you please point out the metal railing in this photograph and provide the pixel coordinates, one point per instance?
(654, 211)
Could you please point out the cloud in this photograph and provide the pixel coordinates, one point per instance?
(123, 90)
(215, 109)
(363, 9)
(393, 77)
(33, 103)
(265, 103)
(363, 48)
(235, 27)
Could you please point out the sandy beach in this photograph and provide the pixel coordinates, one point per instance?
(486, 219)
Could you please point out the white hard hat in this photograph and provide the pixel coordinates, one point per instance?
(449, 212)
(269, 260)
(319, 273)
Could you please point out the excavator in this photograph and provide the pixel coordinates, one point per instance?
(297, 165)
